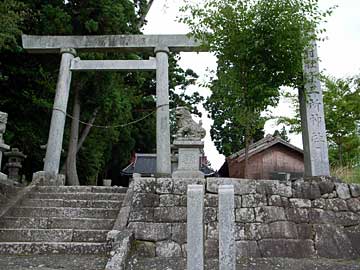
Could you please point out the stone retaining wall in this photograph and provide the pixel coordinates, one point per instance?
(305, 218)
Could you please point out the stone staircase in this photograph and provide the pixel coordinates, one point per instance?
(61, 220)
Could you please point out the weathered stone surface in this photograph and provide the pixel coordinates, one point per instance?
(298, 215)
(178, 232)
(286, 248)
(319, 203)
(35, 235)
(144, 185)
(227, 256)
(319, 216)
(211, 248)
(163, 151)
(151, 231)
(336, 205)
(332, 242)
(26, 248)
(355, 190)
(316, 160)
(139, 43)
(53, 262)
(189, 149)
(144, 214)
(241, 186)
(342, 190)
(164, 185)
(269, 214)
(354, 204)
(279, 230)
(305, 231)
(140, 200)
(347, 218)
(252, 231)
(180, 185)
(326, 185)
(247, 249)
(170, 214)
(306, 190)
(277, 200)
(211, 200)
(300, 203)
(195, 227)
(210, 214)
(238, 201)
(275, 263)
(353, 233)
(169, 200)
(253, 200)
(274, 187)
(245, 215)
(168, 249)
(212, 231)
(183, 200)
(121, 243)
(145, 248)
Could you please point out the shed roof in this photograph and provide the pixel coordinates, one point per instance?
(262, 145)
(146, 164)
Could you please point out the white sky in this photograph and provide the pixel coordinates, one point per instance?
(340, 54)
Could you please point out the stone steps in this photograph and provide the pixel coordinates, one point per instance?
(77, 196)
(56, 223)
(108, 204)
(52, 235)
(63, 212)
(61, 220)
(83, 189)
(26, 248)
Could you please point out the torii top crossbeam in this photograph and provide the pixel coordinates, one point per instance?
(125, 43)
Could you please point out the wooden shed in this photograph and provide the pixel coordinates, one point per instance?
(269, 158)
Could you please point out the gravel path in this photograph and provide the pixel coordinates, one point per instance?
(53, 262)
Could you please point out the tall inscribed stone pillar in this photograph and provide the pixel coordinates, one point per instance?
(312, 118)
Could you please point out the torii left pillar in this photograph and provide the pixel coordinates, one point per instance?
(54, 144)
(163, 155)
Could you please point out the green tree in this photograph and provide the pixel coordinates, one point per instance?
(259, 46)
(342, 117)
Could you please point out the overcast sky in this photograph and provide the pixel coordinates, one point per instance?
(340, 54)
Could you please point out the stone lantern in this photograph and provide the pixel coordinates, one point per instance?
(14, 164)
(3, 147)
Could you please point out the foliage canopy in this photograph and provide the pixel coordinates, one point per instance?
(259, 45)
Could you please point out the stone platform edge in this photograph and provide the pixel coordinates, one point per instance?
(309, 217)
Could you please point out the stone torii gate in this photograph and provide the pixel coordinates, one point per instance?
(313, 125)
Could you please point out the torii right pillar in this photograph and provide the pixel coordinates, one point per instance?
(316, 156)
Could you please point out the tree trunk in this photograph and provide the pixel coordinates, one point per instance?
(81, 141)
(71, 171)
(143, 16)
(340, 152)
(246, 163)
(87, 129)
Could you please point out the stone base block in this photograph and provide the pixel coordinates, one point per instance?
(45, 179)
(188, 174)
(3, 176)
